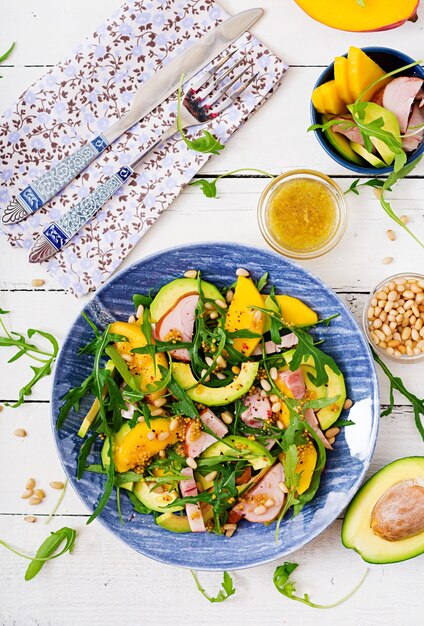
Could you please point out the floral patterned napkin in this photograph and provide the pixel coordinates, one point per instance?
(81, 97)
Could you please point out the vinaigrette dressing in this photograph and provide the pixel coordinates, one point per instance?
(302, 214)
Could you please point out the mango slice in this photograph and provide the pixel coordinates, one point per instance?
(363, 71)
(307, 460)
(135, 449)
(241, 316)
(293, 311)
(141, 364)
(326, 99)
(351, 15)
(341, 76)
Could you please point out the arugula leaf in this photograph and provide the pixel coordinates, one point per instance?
(262, 281)
(209, 187)
(224, 593)
(207, 143)
(39, 373)
(139, 507)
(345, 124)
(46, 552)
(139, 298)
(340, 423)
(291, 479)
(4, 56)
(390, 181)
(184, 405)
(397, 383)
(373, 182)
(72, 400)
(287, 587)
(84, 453)
(361, 3)
(108, 488)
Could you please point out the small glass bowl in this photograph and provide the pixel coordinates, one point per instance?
(341, 214)
(404, 358)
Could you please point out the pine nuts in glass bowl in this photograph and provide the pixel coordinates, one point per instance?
(393, 318)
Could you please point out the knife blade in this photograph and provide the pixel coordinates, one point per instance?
(148, 97)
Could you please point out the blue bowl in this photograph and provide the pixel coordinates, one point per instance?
(389, 60)
(252, 544)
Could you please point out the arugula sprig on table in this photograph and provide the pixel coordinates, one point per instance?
(24, 347)
(47, 551)
(396, 383)
(287, 587)
(209, 186)
(8, 52)
(227, 588)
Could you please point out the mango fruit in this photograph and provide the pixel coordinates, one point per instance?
(142, 364)
(341, 76)
(326, 99)
(241, 315)
(135, 449)
(307, 460)
(363, 71)
(293, 311)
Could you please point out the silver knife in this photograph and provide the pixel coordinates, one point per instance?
(148, 97)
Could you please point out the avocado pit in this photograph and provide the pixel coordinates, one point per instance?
(399, 513)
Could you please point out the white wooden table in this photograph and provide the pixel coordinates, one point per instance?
(104, 582)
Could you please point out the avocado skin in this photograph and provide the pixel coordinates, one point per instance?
(170, 293)
(376, 550)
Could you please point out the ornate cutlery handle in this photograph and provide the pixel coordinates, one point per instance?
(57, 234)
(49, 184)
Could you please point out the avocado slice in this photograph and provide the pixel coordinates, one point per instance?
(180, 523)
(368, 156)
(374, 112)
(117, 439)
(170, 293)
(357, 533)
(335, 387)
(340, 143)
(156, 501)
(263, 458)
(215, 396)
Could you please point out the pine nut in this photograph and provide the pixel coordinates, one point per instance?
(163, 436)
(406, 333)
(387, 260)
(30, 519)
(269, 503)
(226, 417)
(381, 295)
(259, 510)
(127, 357)
(173, 424)
(392, 296)
(221, 303)
(20, 432)
(391, 235)
(221, 362)
(190, 274)
(191, 462)
(213, 315)
(40, 493)
(404, 219)
(229, 296)
(332, 432)
(34, 500)
(347, 404)
(229, 526)
(380, 334)
(276, 407)
(263, 393)
(265, 384)
(230, 533)
(257, 316)
(131, 319)
(140, 311)
(56, 484)
(160, 402)
(280, 424)
(273, 372)
(151, 435)
(157, 412)
(274, 398)
(242, 272)
(220, 375)
(331, 440)
(386, 330)
(203, 372)
(209, 306)
(377, 323)
(211, 476)
(162, 454)
(30, 483)
(209, 361)
(283, 487)
(408, 294)
(37, 282)
(27, 494)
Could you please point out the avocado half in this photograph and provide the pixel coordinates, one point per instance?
(357, 531)
(170, 293)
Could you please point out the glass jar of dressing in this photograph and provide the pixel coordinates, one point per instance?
(302, 214)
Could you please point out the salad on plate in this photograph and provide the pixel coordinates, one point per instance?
(215, 405)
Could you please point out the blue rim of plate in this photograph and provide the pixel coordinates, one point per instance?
(205, 551)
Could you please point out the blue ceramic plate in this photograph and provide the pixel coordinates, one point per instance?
(252, 544)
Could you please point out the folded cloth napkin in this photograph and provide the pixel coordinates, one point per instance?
(80, 97)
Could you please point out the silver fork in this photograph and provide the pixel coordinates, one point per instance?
(197, 108)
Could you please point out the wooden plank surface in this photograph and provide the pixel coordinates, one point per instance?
(104, 582)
